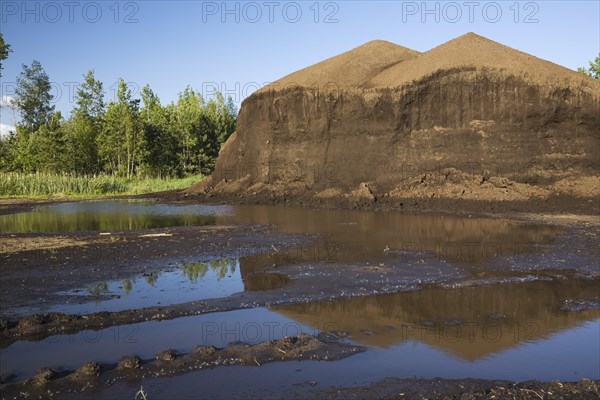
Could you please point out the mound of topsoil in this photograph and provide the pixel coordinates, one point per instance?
(470, 119)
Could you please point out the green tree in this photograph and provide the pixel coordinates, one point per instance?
(32, 96)
(161, 157)
(85, 126)
(8, 152)
(188, 114)
(25, 145)
(594, 70)
(201, 127)
(46, 147)
(121, 142)
(90, 98)
(219, 122)
(80, 146)
(4, 50)
(230, 119)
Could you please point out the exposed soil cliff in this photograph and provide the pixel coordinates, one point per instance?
(470, 119)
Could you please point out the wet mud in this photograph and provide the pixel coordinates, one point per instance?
(377, 280)
(51, 383)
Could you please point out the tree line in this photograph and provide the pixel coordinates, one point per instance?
(126, 136)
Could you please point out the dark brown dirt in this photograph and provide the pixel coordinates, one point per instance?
(463, 389)
(337, 198)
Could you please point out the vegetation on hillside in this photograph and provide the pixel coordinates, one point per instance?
(594, 70)
(4, 50)
(40, 184)
(124, 137)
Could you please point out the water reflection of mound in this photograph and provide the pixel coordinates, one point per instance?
(265, 281)
(469, 323)
(350, 236)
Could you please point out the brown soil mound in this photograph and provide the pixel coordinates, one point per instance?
(353, 68)
(474, 51)
(507, 125)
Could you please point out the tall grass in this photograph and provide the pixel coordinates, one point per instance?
(44, 184)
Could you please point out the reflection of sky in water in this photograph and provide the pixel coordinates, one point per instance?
(197, 281)
(569, 354)
(109, 215)
(147, 338)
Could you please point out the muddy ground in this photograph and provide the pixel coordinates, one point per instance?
(35, 268)
(464, 389)
(446, 190)
(49, 383)
(556, 204)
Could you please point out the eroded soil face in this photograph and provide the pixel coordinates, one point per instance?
(466, 125)
(353, 281)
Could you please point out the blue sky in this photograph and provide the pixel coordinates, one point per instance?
(239, 46)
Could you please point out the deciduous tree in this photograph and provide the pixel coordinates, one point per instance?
(121, 144)
(4, 50)
(85, 125)
(594, 70)
(33, 97)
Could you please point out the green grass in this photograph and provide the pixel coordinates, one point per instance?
(15, 184)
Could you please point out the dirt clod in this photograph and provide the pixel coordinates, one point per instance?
(44, 375)
(90, 369)
(130, 362)
(166, 355)
(205, 351)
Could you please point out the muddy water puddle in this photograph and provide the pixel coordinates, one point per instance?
(145, 339)
(415, 244)
(193, 281)
(547, 360)
(564, 355)
(362, 236)
(108, 216)
(516, 331)
(346, 236)
(470, 323)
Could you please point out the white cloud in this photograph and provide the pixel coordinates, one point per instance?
(6, 101)
(5, 130)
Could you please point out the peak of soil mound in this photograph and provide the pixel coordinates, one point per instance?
(471, 51)
(352, 68)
